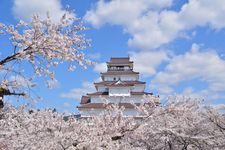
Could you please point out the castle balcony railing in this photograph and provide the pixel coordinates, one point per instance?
(119, 69)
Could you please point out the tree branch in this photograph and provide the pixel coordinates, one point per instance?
(13, 57)
(9, 58)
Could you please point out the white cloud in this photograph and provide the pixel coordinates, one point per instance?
(122, 11)
(151, 24)
(66, 105)
(146, 62)
(203, 12)
(100, 67)
(24, 9)
(94, 56)
(76, 93)
(205, 66)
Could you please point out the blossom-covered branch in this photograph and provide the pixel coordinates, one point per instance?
(43, 44)
(181, 124)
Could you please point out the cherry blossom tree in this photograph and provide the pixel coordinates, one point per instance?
(182, 123)
(42, 44)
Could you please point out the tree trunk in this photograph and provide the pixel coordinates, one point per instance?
(1, 103)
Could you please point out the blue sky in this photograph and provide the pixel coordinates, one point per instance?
(177, 46)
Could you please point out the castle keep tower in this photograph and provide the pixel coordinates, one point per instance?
(120, 85)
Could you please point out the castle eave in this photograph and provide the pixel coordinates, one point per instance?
(107, 93)
(98, 93)
(141, 93)
(120, 85)
(112, 82)
(120, 60)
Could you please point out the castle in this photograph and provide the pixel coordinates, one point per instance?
(120, 85)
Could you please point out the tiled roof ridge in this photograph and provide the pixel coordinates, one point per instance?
(120, 83)
(119, 61)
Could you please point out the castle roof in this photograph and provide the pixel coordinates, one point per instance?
(85, 100)
(113, 82)
(120, 60)
(107, 93)
(120, 83)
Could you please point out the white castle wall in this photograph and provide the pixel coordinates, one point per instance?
(102, 88)
(119, 91)
(95, 112)
(121, 77)
(116, 99)
(136, 88)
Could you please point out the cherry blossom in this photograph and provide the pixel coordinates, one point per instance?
(43, 44)
(182, 123)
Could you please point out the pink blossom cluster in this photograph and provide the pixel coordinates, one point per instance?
(182, 123)
(43, 44)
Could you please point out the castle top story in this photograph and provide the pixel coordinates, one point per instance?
(120, 68)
